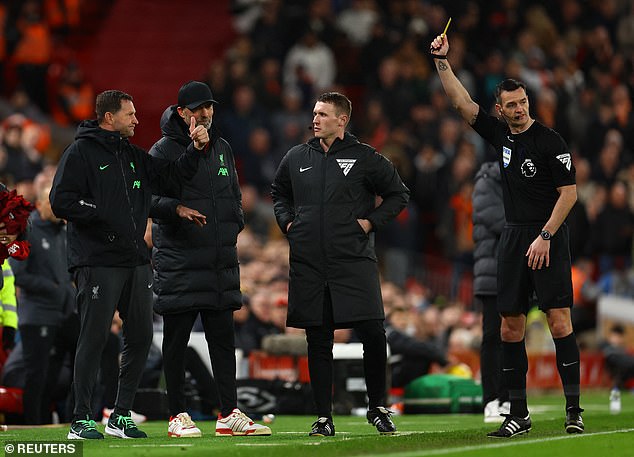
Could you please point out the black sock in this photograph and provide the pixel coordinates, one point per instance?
(568, 366)
(514, 368)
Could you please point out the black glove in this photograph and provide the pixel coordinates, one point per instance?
(8, 338)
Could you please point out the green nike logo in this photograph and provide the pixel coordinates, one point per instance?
(103, 167)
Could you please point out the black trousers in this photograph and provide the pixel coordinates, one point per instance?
(101, 290)
(320, 340)
(218, 327)
(39, 380)
(491, 351)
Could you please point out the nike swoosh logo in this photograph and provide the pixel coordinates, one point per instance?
(508, 369)
(103, 167)
(571, 363)
(510, 139)
(149, 286)
(302, 170)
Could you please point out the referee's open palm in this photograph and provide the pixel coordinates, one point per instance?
(538, 254)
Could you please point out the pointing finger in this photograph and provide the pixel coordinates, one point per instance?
(192, 124)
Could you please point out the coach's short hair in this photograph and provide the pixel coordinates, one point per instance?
(342, 104)
(508, 85)
(109, 101)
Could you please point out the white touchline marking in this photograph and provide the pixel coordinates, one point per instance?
(263, 444)
(306, 433)
(152, 445)
(509, 443)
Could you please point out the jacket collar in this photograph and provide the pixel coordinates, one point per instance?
(91, 130)
(174, 128)
(339, 144)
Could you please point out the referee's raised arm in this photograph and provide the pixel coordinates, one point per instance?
(460, 98)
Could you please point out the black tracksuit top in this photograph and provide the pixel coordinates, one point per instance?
(103, 188)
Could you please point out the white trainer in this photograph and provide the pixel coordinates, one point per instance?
(136, 417)
(239, 424)
(505, 408)
(492, 412)
(182, 426)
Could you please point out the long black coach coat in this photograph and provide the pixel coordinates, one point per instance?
(197, 267)
(324, 194)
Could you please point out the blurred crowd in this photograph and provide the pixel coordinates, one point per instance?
(576, 56)
(43, 91)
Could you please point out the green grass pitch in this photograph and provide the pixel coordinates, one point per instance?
(418, 436)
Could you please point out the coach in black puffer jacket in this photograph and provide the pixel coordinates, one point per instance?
(195, 259)
(488, 222)
(197, 267)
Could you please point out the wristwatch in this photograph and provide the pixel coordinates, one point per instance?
(546, 235)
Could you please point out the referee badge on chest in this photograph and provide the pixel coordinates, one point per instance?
(506, 156)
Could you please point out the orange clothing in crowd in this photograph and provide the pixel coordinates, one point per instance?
(61, 13)
(77, 103)
(580, 276)
(463, 222)
(35, 45)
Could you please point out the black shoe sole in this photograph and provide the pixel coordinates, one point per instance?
(523, 432)
(574, 429)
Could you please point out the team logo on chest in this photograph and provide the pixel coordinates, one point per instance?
(528, 168)
(506, 156)
(222, 171)
(346, 165)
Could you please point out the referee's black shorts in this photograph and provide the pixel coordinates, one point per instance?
(517, 282)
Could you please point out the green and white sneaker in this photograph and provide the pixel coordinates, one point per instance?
(123, 427)
(84, 430)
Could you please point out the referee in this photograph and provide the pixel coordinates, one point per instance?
(538, 181)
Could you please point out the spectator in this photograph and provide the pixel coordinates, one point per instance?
(23, 161)
(289, 123)
(46, 296)
(259, 323)
(309, 66)
(244, 117)
(618, 360)
(409, 357)
(74, 98)
(32, 54)
(257, 213)
(357, 21)
(611, 233)
(8, 314)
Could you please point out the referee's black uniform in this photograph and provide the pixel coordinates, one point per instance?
(534, 164)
